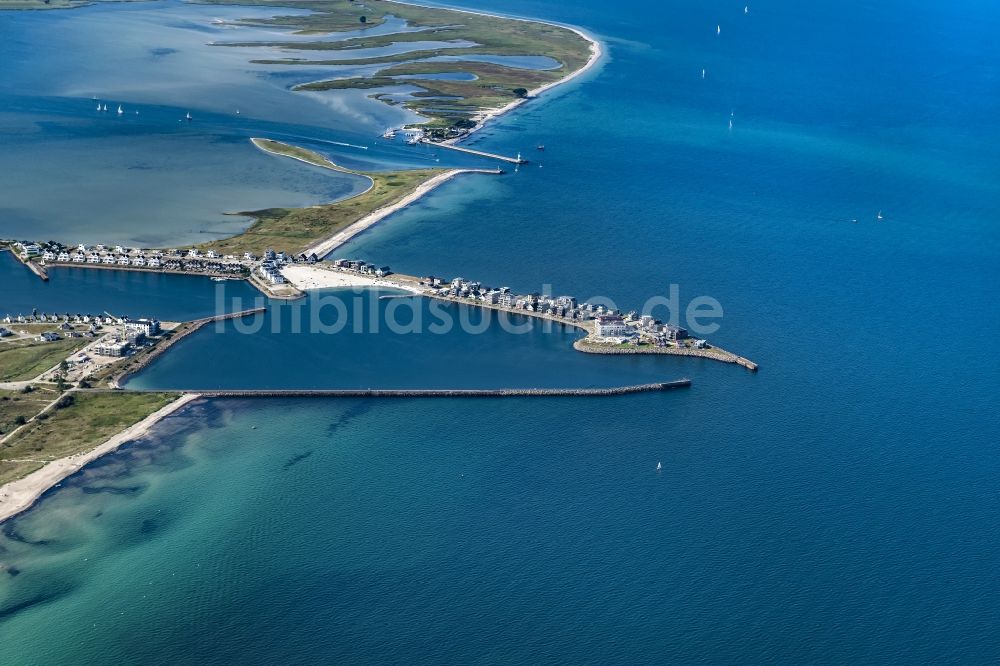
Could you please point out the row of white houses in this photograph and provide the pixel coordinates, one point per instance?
(107, 259)
(192, 253)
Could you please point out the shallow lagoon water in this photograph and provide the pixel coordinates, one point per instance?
(147, 177)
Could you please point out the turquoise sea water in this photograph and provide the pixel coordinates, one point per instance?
(839, 506)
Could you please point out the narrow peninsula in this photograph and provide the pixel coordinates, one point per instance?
(473, 69)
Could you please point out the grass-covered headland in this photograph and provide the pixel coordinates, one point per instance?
(449, 104)
(295, 229)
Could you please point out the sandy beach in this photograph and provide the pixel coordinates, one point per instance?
(325, 247)
(596, 52)
(18, 496)
(257, 143)
(308, 277)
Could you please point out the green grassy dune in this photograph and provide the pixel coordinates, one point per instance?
(87, 421)
(295, 229)
(495, 85)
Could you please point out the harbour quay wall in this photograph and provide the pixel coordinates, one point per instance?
(32, 266)
(713, 354)
(160, 348)
(228, 315)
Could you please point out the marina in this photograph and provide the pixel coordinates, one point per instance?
(837, 506)
(609, 331)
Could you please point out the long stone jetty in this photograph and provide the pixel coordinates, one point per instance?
(437, 393)
(31, 266)
(480, 153)
(712, 353)
(160, 348)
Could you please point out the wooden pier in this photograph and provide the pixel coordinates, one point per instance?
(480, 153)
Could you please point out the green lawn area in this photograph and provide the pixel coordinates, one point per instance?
(20, 361)
(92, 419)
(14, 404)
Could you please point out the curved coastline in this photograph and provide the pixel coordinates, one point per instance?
(324, 248)
(596, 53)
(18, 496)
(259, 144)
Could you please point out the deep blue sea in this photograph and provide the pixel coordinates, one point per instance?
(839, 506)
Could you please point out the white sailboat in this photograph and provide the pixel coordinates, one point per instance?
(879, 216)
(187, 116)
(718, 30)
(746, 10)
(98, 106)
(702, 72)
(120, 110)
(659, 466)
